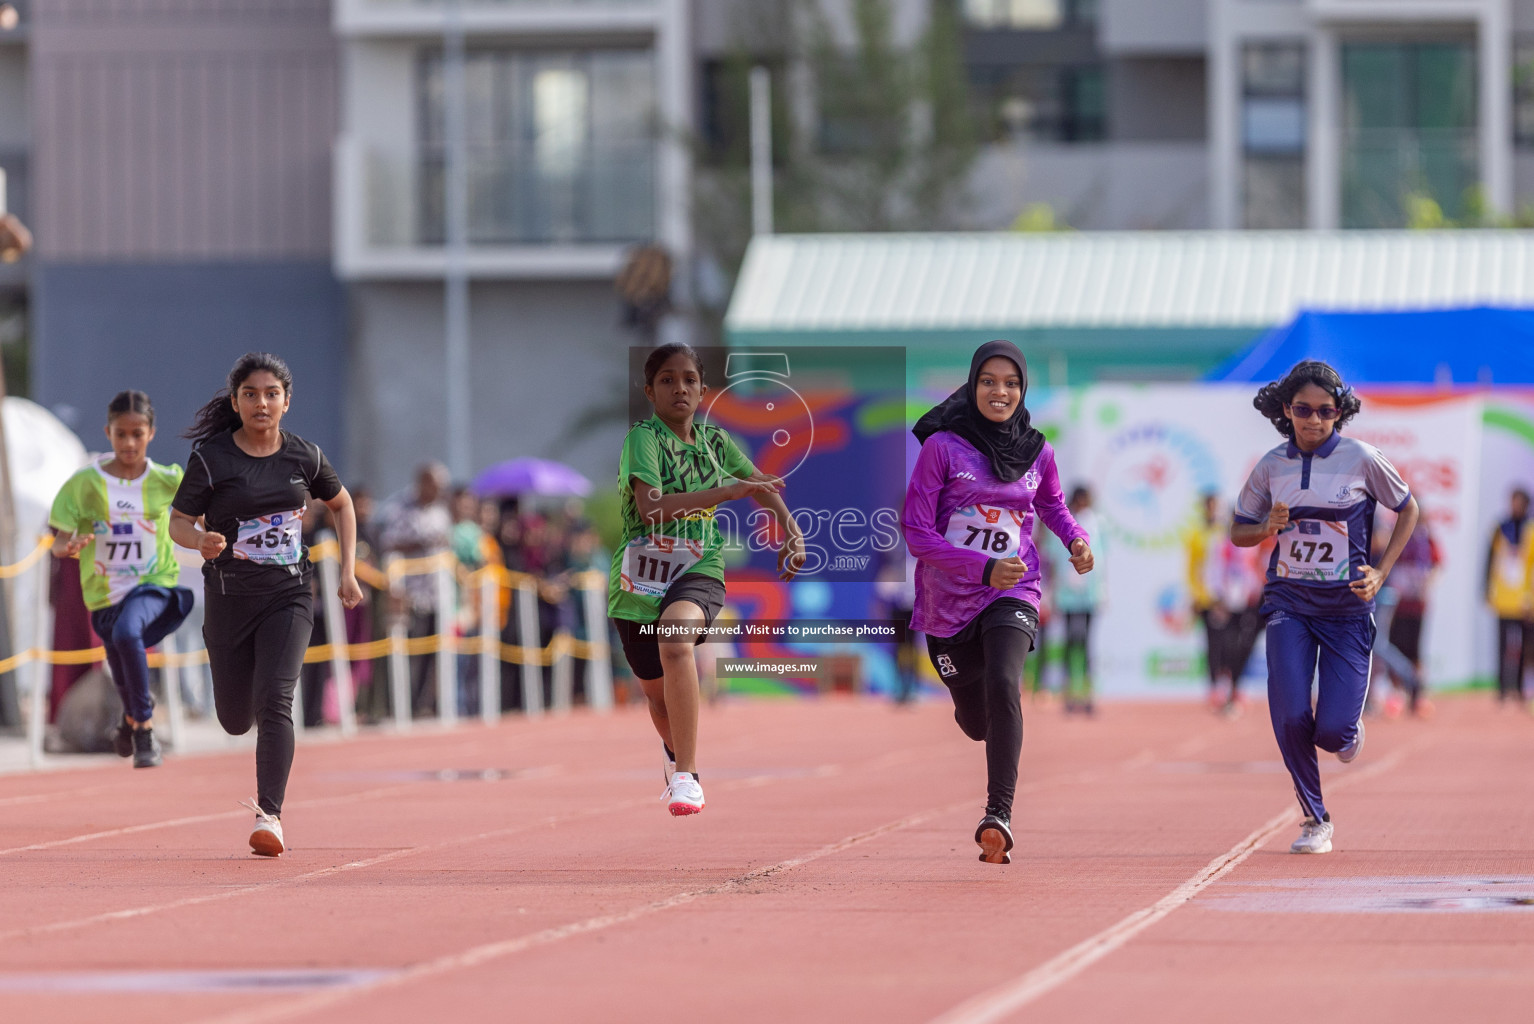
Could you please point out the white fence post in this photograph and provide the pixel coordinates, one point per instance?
(42, 641)
(489, 647)
(447, 650)
(335, 629)
(527, 639)
(170, 678)
(563, 688)
(599, 667)
(399, 665)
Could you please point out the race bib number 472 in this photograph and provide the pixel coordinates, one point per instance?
(998, 532)
(1313, 549)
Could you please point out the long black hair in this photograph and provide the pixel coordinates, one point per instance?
(1272, 398)
(131, 401)
(219, 416)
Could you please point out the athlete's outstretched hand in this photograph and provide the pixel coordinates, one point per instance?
(1081, 557)
(209, 545)
(351, 593)
(1367, 587)
(757, 483)
(1008, 572)
(1278, 519)
(791, 556)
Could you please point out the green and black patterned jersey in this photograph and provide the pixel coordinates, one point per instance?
(649, 559)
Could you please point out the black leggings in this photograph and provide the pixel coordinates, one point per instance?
(983, 667)
(1513, 641)
(256, 645)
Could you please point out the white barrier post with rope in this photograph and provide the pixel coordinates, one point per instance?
(599, 662)
(42, 642)
(489, 647)
(335, 624)
(527, 638)
(399, 665)
(447, 644)
(170, 679)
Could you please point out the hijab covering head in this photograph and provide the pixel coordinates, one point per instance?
(1012, 445)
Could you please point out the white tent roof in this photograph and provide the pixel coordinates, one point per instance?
(1118, 279)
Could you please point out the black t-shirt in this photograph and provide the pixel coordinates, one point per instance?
(258, 504)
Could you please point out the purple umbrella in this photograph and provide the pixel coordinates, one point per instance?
(531, 476)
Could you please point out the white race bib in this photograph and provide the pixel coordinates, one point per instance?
(652, 563)
(997, 532)
(124, 549)
(1315, 550)
(277, 539)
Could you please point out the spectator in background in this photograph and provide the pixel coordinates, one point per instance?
(1226, 583)
(469, 544)
(1405, 596)
(414, 527)
(1076, 598)
(1508, 581)
(895, 593)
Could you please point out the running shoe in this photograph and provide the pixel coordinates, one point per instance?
(683, 794)
(994, 836)
(266, 838)
(1315, 837)
(146, 749)
(122, 739)
(1349, 752)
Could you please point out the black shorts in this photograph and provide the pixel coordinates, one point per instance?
(960, 658)
(643, 652)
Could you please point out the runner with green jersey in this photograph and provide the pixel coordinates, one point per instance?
(667, 579)
(114, 516)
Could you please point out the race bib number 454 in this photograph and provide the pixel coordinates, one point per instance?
(276, 539)
(998, 532)
(652, 563)
(1313, 549)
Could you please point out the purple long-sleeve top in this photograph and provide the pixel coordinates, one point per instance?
(952, 477)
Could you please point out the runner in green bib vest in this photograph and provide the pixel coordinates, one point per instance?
(114, 516)
(668, 574)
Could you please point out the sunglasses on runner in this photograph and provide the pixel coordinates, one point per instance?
(1301, 411)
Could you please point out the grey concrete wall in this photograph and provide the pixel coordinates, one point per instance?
(1523, 16)
(174, 330)
(182, 129)
(1107, 186)
(1154, 26)
(549, 359)
(1523, 178)
(1157, 99)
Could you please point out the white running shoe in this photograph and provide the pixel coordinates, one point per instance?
(683, 795)
(1347, 753)
(266, 838)
(1315, 837)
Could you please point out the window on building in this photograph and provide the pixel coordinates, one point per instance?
(1042, 103)
(1409, 130)
(1030, 15)
(561, 146)
(1273, 135)
(1523, 93)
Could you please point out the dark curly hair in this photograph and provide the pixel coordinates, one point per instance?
(1272, 398)
(219, 416)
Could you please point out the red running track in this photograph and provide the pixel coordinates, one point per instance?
(832, 878)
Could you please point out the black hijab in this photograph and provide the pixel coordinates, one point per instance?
(1011, 446)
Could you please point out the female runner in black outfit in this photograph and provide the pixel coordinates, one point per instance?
(249, 483)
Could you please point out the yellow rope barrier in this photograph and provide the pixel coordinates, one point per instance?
(562, 643)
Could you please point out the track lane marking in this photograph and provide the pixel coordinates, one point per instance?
(1008, 997)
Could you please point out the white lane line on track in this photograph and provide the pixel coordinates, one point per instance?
(1011, 996)
(37, 798)
(477, 955)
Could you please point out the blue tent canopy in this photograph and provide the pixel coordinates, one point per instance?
(1483, 345)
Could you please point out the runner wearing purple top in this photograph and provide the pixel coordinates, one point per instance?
(968, 519)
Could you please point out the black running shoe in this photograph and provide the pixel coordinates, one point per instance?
(122, 739)
(994, 835)
(146, 749)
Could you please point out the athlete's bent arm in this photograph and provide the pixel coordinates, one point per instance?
(69, 545)
(184, 531)
(1249, 535)
(791, 554)
(345, 515)
(1374, 576)
(656, 508)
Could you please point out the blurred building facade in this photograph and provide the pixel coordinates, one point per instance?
(206, 177)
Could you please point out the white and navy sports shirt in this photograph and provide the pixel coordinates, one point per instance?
(1332, 494)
